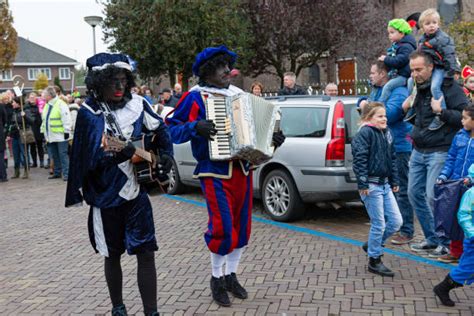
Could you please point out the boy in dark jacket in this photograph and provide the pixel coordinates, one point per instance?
(440, 46)
(397, 58)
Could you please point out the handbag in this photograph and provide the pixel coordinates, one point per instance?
(26, 136)
(446, 204)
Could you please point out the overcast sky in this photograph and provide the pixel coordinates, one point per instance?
(59, 25)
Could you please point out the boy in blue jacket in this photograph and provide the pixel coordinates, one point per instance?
(463, 274)
(397, 58)
(440, 46)
(460, 157)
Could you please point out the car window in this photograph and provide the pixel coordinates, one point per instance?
(304, 122)
(352, 118)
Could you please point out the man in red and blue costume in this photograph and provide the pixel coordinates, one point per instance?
(227, 185)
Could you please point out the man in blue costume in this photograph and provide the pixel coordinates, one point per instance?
(227, 185)
(120, 216)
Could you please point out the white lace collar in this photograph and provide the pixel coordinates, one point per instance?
(232, 90)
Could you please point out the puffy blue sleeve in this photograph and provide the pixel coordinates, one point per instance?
(185, 117)
(393, 105)
(86, 154)
(401, 59)
(449, 163)
(465, 213)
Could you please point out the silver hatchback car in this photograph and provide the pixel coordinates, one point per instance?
(314, 164)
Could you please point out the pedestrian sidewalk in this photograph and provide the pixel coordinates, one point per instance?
(48, 266)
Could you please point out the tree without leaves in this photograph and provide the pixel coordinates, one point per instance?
(165, 36)
(8, 45)
(293, 35)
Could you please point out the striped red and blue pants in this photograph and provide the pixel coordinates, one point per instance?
(229, 205)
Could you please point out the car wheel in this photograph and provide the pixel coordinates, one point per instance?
(175, 186)
(281, 199)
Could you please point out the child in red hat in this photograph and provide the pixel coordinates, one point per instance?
(467, 75)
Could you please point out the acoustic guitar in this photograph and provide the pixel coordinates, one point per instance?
(144, 161)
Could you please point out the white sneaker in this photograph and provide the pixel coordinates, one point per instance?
(439, 252)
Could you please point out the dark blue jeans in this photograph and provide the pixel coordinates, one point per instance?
(406, 210)
(18, 153)
(424, 169)
(60, 157)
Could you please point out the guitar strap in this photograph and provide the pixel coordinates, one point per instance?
(111, 122)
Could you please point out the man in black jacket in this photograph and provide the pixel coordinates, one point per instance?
(290, 86)
(430, 147)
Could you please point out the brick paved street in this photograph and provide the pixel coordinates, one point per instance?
(48, 267)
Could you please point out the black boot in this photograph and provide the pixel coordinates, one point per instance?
(25, 174)
(234, 287)
(435, 124)
(17, 173)
(376, 266)
(219, 294)
(119, 311)
(442, 290)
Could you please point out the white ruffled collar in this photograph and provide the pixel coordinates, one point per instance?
(126, 116)
(232, 90)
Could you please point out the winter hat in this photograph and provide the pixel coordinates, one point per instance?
(467, 72)
(400, 25)
(103, 60)
(210, 52)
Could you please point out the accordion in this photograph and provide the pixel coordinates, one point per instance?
(252, 123)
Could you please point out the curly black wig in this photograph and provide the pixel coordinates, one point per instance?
(209, 67)
(98, 80)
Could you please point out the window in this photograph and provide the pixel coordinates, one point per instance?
(6, 75)
(34, 72)
(304, 122)
(64, 73)
(313, 74)
(352, 118)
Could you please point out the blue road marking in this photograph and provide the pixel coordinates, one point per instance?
(313, 232)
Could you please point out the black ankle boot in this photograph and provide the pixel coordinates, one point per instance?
(219, 294)
(119, 311)
(442, 290)
(376, 266)
(234, 287)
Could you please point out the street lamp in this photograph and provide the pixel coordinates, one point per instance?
(93, 21)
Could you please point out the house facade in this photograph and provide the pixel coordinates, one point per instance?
(31, 60)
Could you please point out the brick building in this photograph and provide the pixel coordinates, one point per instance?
(32, 59)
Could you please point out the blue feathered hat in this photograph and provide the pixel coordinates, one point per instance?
(210, 52)
(103, 60)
